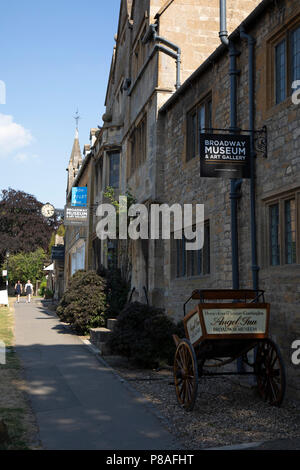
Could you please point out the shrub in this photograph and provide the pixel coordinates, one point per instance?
(48, 294)
(117, 290)
(43, 287)
(144, 334)
(84, 302)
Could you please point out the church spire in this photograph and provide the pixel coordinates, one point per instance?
(75, 158)
(76, 117)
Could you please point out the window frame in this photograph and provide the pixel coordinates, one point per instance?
(283, 88)
(110, 154)
(139, 52)
(137, 146)
(193, 131)
(281, 201)
(181, 267)
(284, 34)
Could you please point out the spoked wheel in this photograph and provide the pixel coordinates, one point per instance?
(270, 372)
(186, 375)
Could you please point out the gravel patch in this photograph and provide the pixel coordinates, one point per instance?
(226, 412)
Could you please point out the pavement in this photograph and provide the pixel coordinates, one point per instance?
(79, 402)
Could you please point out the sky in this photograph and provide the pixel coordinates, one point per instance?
(55, 57)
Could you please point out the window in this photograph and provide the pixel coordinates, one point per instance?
(138, 146)
(97, 247)
(98, 177)
(284, 246)
(280, 53)
(112, 254)
(295, 54)
(114, 169)
(197, 120)
(290, 231)
(287, 64)
(274, 234)
(139, 54)
(193, 262)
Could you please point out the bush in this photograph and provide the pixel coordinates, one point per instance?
(48, 294)
(84, 302)
(117, 290)
(144, 334)
(43, 287)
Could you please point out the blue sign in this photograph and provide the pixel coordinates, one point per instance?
(79, 197)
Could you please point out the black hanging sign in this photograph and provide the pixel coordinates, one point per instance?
(224, 156)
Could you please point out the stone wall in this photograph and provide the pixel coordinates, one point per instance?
(276, 175)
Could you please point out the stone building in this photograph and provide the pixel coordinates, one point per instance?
(169, 80)
(79, 175)
(158, 45)
(205, 97)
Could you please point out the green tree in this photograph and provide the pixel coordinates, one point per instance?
(23, 266)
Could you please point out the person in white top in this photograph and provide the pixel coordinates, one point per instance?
(28, 290)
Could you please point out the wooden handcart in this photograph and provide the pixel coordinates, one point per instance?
(224, 326)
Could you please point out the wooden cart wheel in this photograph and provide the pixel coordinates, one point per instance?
(270, 372)
(186, 374)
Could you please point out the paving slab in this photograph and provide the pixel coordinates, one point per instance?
(80, 403)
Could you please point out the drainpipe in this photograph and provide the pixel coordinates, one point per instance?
(251, 46)
(152, 33)
(235, 183)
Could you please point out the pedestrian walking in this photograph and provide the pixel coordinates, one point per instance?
(18, 290)
(28, 291)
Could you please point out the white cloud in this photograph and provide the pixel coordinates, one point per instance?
(13, 136)
(24, 157)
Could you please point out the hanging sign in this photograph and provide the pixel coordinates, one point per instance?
(224, 156)
(76, 216)
(79, 197)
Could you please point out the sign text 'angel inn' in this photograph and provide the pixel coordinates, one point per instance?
(225, 156)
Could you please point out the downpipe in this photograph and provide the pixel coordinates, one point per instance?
(251, 45)
(235, 183)
(152, 33)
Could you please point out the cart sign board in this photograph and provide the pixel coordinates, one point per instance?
(77, 216)
(223, 321)
(194, 328)
(224, 156)
(79, 197)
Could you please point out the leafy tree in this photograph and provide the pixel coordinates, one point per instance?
(23, 266)
(22, 226)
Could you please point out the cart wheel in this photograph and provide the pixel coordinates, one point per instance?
(186, 374)
(270, 372)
